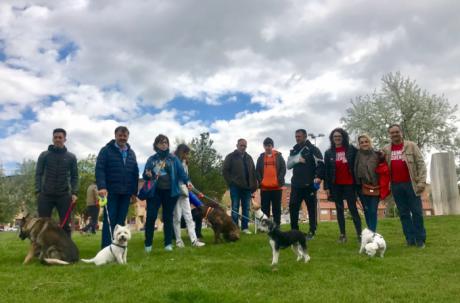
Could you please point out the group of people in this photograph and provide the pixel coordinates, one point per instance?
(346, 172)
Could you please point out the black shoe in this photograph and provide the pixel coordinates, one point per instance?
(310, 235)
(342, 239)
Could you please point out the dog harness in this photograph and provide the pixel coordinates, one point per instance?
(118, 245)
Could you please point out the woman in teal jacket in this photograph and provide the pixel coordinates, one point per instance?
(166, 171)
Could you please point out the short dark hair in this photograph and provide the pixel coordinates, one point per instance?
(394, 125)
(181, 150)
(160, 138)
(345, 137)
(239, 140)
(60, 130)
(122, 129)
(301, 130)
(268, 141)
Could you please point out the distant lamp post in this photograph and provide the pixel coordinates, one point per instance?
(313, 136)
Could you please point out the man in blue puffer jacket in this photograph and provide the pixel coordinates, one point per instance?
(117, 176)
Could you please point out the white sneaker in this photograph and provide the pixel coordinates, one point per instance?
(198, 243)
(180, 244)
(246, 231)
(169, 247)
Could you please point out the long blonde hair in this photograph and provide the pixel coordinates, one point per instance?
(368, 138)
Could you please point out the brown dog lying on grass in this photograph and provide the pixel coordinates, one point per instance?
(49, 242)
(221, 223)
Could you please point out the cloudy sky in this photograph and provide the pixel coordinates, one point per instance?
(238, 68)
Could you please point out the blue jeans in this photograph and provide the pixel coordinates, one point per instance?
(370, 206)
(238, 195)
(117, 206)
(410, 212)
(161, 198)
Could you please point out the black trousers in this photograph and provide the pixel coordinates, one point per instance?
(273, 198)
(298, 195)
(198, 218)
(47, 202)
(348, 193)
(93, 212)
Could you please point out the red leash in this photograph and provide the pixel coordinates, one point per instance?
(67, 215)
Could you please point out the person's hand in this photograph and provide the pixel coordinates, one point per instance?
(200, 195)
(148, 173)
(301, 160)
(102, 192)
(420, 187)
(133, 199)
(189, 186)
(74, 200)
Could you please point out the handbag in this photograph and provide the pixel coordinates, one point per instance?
(294, 159)
(370, 190)
(146, 190)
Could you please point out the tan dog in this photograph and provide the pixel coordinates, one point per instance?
(48, 241)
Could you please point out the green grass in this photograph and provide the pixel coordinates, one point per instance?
(241, 272)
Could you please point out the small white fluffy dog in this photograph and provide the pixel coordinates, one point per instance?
(259, 214)
(372, 243)
(115, 252)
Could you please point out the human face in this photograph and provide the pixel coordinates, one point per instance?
(163, 145)
(337, 138)
(364, 143)
(121, 138)
(395, 135)
(268, 149)
(300, 137)
(185, 156)
(241, 146)
(59, 139)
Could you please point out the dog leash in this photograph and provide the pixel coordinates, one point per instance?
(103, 202)
(221, 204)
(67, 214)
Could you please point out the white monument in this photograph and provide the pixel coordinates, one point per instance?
(444, 187)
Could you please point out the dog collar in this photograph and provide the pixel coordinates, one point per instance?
(210, 209)
(118, 245)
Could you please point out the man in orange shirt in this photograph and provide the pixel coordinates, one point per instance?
(270, 172)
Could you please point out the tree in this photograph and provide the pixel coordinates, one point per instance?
(427, 119)
(205, 167)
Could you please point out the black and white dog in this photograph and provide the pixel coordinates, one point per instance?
(279, 240)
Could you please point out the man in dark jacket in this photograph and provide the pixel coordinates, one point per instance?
(56, 179)
(270, 172)
(117, 176)
(308, 170)
(239, 173)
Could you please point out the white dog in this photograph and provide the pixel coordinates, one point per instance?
(259, 214)
(115, 252)
(372, 243)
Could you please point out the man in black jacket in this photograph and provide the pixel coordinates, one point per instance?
(56, 179)
(117, 176)
(308, 170)
(239, 173)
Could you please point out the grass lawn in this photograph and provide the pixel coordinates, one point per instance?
(241, 272)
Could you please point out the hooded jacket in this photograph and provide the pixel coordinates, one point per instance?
(280, 168)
